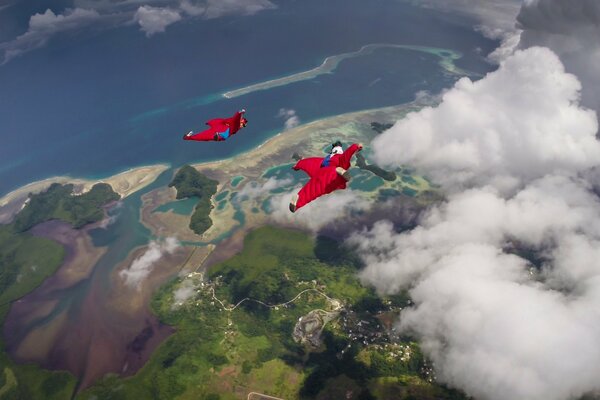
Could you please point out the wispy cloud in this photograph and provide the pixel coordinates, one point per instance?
(254, 190)
(291, 119)
(43, 26)
(319, 213)
(494, 19)
(154, 19)
(219, 8)
(185, 291)
(143, 265)
(153, 16)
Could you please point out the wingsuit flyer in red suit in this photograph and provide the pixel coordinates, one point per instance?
(220, 129)
(326, 174)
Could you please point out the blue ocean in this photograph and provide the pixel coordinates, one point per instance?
(99, 102)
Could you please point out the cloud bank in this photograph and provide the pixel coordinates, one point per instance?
(515, 125)
(143, 265)
(505, 274)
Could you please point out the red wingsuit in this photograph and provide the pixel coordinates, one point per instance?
(219, 129)
(323, 180)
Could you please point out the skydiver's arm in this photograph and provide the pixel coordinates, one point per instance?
(347, 155)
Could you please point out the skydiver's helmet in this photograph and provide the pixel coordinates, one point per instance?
(243, 122)
(336, 148)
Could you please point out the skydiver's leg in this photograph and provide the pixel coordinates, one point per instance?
(344, 173)
(293, 203)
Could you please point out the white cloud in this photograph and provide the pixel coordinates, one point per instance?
(154, 20)
(219, 8)
(572, 30)
(153, 16)
(495, 20)
(254, 190)
(492, 328)
(518, 155)
(142, 266)
(319, 213)
(43, 26)
(185, 291)
(515, 125)
(291, 119)
(192, 9)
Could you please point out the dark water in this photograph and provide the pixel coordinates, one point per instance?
(102, 101)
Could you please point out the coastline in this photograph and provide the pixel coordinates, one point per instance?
(124, 183)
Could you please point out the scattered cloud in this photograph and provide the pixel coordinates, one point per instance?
(143, 265)
(291, 119)
(254, 190)
(515, 125)
(153, 16)
(219, 8)
(319, 213)
(494, 19)
(43, 26)
(154, 19)
(185, 291)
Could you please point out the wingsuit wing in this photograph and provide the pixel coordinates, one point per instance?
(217, 123)
(204, 136)
(324, 182)
(310, 165)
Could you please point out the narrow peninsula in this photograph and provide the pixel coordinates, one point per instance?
(447, 58)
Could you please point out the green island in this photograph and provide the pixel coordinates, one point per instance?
(191, 183)
(382, 173)
(287, 317)
(379, 127)
(25, 262)
(58, 202)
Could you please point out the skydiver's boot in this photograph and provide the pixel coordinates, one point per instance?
(293, 203)
(296, 156)
(187, 135)
(344, 173)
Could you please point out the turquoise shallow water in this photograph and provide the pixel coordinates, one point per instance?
(181, 207)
